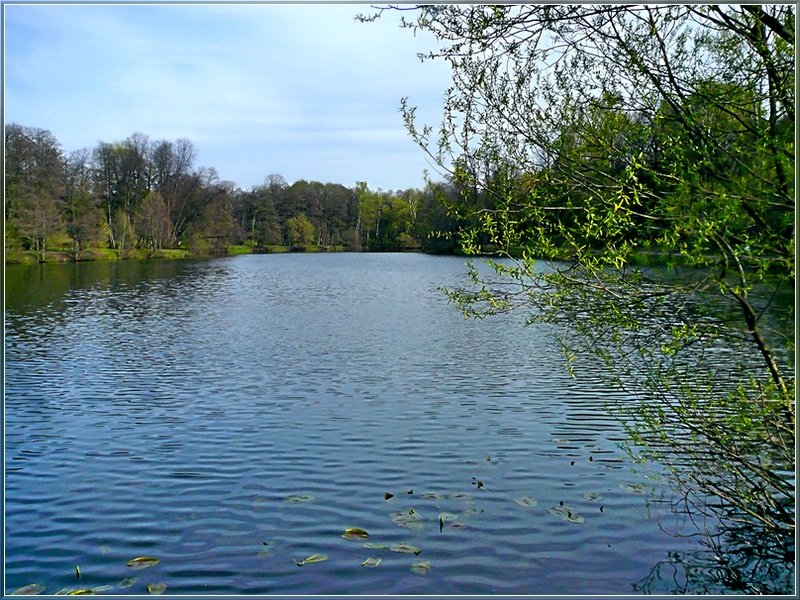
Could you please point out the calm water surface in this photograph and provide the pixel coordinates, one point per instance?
(170, 409)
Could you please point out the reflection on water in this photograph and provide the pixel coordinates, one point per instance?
(170, 409)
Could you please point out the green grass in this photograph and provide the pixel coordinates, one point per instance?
(236, 250)
(171, 253)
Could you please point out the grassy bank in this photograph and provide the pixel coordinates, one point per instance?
(62, 255)
(17, 256)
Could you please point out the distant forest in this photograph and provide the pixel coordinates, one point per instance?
(140, 196)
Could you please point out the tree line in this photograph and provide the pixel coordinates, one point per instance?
(139, 196)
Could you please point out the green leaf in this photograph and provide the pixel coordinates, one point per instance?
(404, 548)
(156, 588)
(298, 499)
(29, 590)
(636, 488)
(431, 496)
(314, 558)
(410, 519)
(371, 562)
(355, 533)
(421, 567)
(566, 513)
(527, 501)
(142, 562)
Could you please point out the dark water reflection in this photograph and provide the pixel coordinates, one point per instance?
(168, 409)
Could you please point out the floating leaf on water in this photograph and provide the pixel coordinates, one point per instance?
(298, 499)
(84, 591)
(127, 582)
(474, 510)
(636, 488)
(375, 546)
(388, 495)
(447, 516)
(526, 501)
(592, 496)
(431, 496)
(404, 548)
(29, 590)
(573, 518)
(421, 568)
(156, 588)
(460, 496)
(371, 562)
(566, 513)
(355, 533)
(142, 562)
(314, 558)
(404, 519)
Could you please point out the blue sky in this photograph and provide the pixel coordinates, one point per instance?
(302, 90)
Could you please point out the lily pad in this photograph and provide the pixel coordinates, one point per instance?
(371, 562)
(29, 590)
(410, 518)
(421, 568)
(460, 496)
(156, 588)
(404, 548)
(636, 488)
(526, 501)
(298, 499)
(127, 582)
(314, 558)
(566, 513)
(355, 533)
(142, 562)
(431, 496)
(83, 591)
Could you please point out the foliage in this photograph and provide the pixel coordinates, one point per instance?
(143, 194)
(581, 136)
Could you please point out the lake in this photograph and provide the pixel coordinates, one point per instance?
(233, 417)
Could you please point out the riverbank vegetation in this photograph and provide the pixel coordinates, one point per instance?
(142, 198)
(597, 134)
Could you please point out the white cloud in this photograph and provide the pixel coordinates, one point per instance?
(240, 77)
